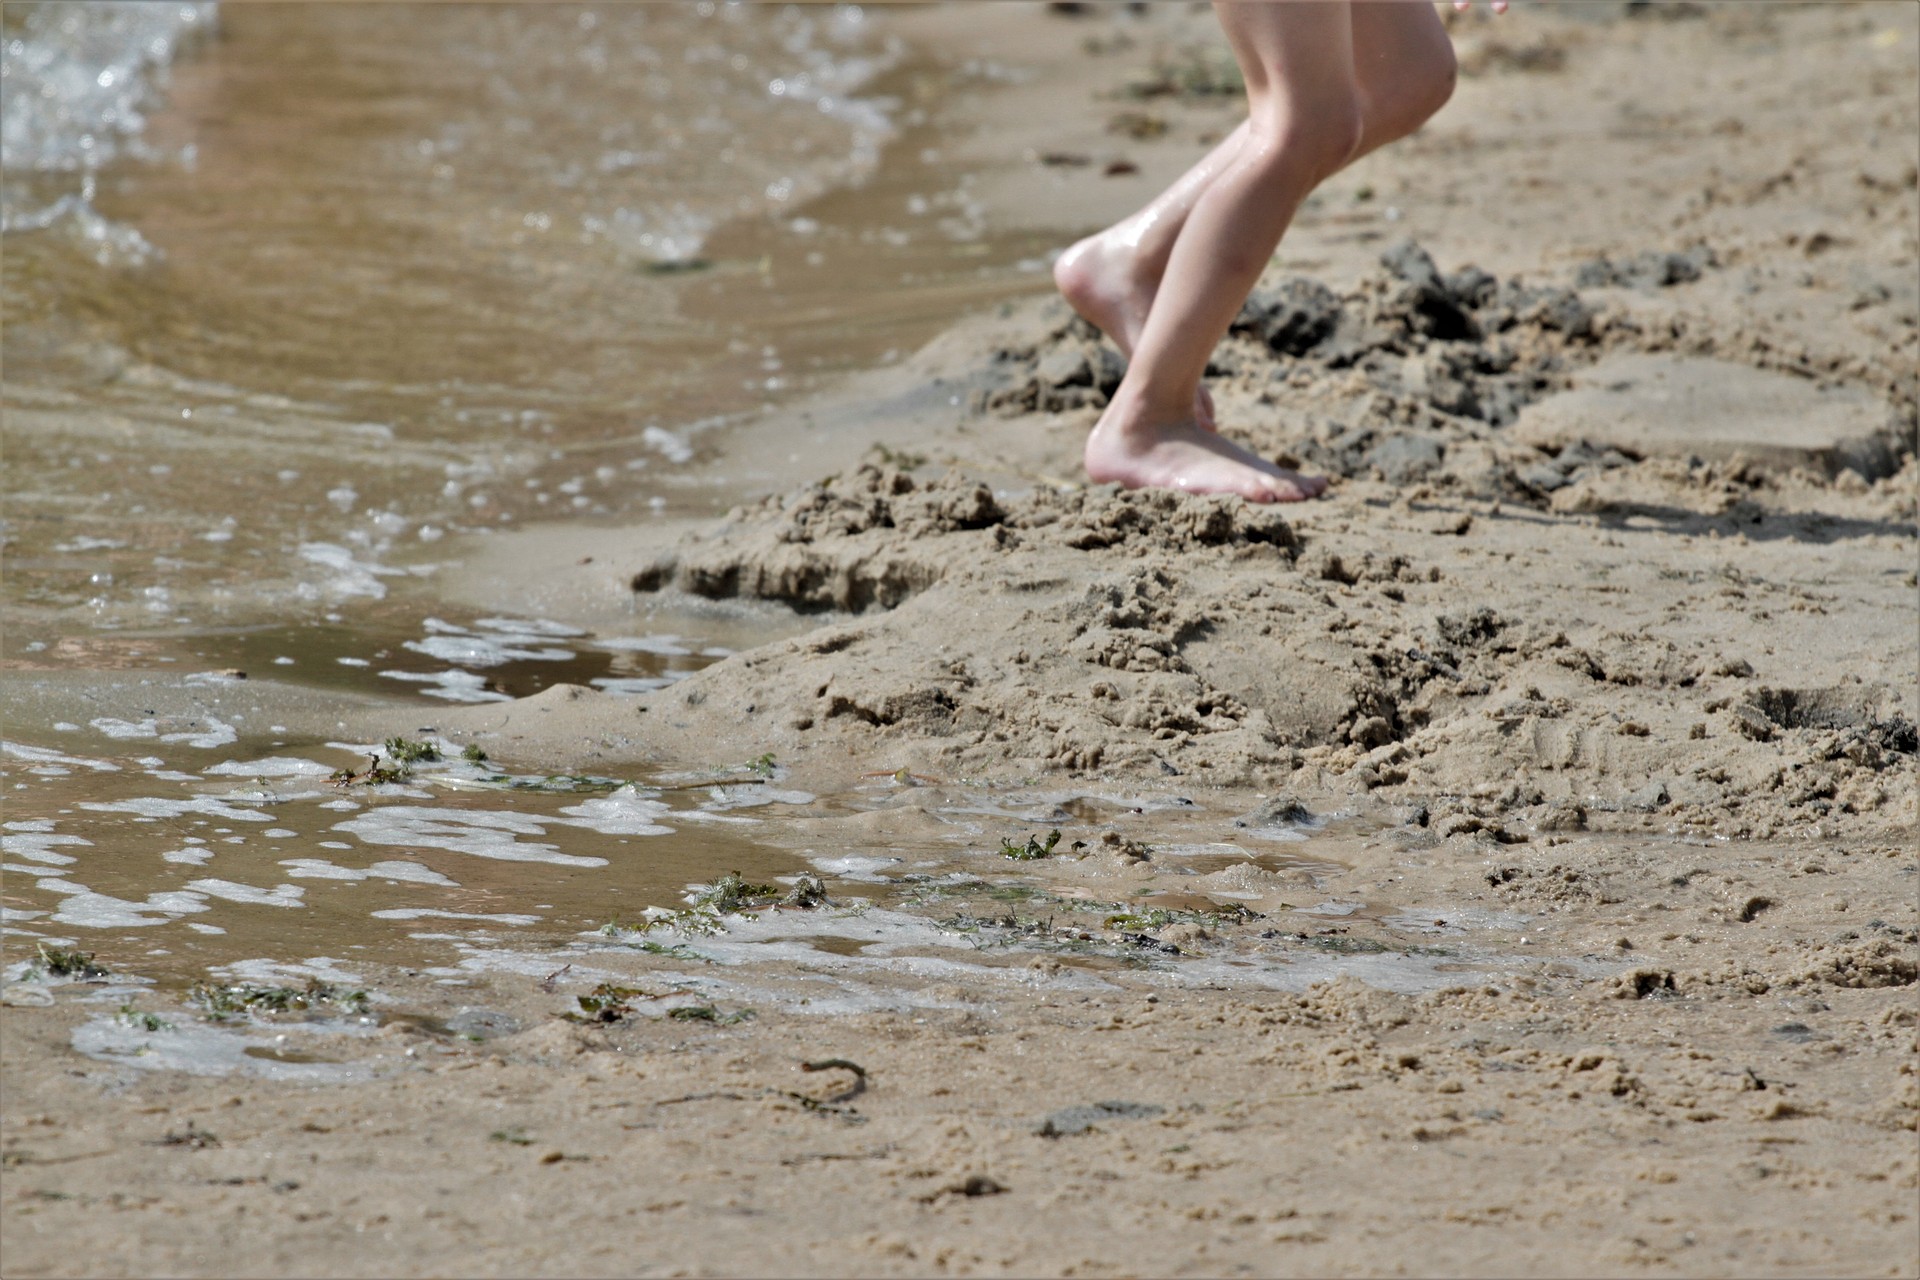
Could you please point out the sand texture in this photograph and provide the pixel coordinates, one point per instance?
(1541, 800)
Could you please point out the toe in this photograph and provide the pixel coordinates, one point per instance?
(1296, 488)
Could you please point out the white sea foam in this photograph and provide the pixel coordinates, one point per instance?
(216, 733)
(625, 812)
(494, 642)
(528, 626)
(272, 973)
(86, 909)
(210, 1051)
(454, 685)
(407, 872)
(631, 686)
(37, 846)
(855, 866)
(44, 757)
(430, 913)
(155, 807)
(480, 832)
(270, 767)
(663, 646)
(350, 577)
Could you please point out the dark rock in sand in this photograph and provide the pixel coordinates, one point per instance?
(1646, 270)
(1432, 309)
(1293, 317)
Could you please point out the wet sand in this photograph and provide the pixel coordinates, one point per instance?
(1501, 866)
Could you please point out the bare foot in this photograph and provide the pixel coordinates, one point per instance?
(1123, 449)
(1097, 277)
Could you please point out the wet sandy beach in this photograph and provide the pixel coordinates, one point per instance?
(634, 753)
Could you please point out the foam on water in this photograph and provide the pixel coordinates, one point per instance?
(162, 807)
(407, 872)
(269, 767)
(217, 733)
(496, 642)
(44, 759)
(453, 685)
(76, 84)
(215, 1051)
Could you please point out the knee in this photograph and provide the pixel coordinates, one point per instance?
(1413, 95)
(1319, 134)
(1434, 83)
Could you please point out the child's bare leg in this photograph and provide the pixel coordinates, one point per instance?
(1403, 62)
(1304, 123)
(1404, 66)
(1110, 278)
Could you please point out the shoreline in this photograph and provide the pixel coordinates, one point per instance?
(1603, 736)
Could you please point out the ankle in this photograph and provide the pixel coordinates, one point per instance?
(1142, 409)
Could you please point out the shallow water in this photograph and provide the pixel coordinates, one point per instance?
(303, 299)
(299, 298)
(405, 272)
(180, 857)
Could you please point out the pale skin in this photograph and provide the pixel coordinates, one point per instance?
(1327, 82)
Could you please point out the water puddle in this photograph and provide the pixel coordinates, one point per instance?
(184, 860)
(488, 659)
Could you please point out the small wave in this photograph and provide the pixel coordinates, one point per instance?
(76, 84)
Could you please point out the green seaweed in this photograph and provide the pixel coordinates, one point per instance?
(222, 1002)
(675, 950)
(697, 922)
(374, 774)
(1133, 920)
(516, 1135)
(808, 893)
(730, 895)
(1033, 849)
(608, 1002)
(60, 962)
(405, 752)
(473, 754)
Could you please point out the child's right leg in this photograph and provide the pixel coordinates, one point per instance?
(1404, 70)
(1304, 123)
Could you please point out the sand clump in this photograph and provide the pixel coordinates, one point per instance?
(1462, 615)
(1168, 635)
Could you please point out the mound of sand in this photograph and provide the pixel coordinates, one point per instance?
(1460, 632)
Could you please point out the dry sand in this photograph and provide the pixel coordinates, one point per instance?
(1604, 639)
